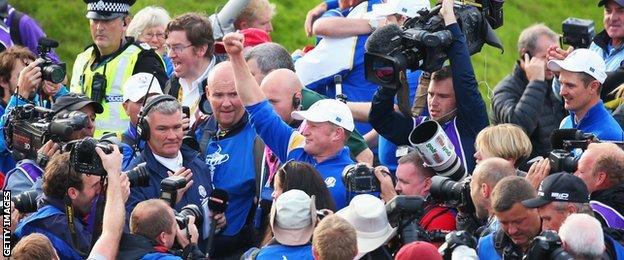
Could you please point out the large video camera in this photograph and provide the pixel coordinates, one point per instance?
(421, 43)
(577, 33)
(29, 127)
(563, 157)
(455, 194)
(50, 70)
(404, 212)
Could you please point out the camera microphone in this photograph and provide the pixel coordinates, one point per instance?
(43, 41)
(384, 40)
(217, 203)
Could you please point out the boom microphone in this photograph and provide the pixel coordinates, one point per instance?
(384, 40)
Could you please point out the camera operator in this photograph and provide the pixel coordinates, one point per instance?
(161, 123)
(117, 192)
(13, 61)
(484, 178)
(68, 193)
(601, 167)
(453, 100)
(518, 224)
(413, 178)
(525, 97)
(100, 70)
(563, 194)
(581, 75)
(27, 172)
(153, 231)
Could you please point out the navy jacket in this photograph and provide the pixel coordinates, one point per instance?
(201, 189)
(471, 111)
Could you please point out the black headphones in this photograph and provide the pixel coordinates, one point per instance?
(142, 127)
(296, 102)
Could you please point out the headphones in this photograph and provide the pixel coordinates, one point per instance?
(296, 101)
(142, 127)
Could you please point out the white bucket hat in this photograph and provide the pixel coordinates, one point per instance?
(367, 214)
(293, 217)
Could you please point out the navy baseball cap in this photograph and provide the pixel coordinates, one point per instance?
(75, 101)
(559, 187)
(603, 2)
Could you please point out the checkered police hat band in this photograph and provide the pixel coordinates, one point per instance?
(102, 6)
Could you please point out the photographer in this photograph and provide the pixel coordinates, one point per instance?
(453, 100)
(484, 178)
(117, 192)
(153, 232)
(27, 172)
(65, 189)
(601, 167)
(413, 178)
(518, 224)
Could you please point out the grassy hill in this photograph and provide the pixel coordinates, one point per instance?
(64, 20)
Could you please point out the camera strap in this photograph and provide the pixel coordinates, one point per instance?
(69, 213)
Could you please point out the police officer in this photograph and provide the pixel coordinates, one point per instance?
(100, 71)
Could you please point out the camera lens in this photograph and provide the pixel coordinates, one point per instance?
(53, 73)
(189, 210)
(139, 176)
(445, 189)
(26, 202)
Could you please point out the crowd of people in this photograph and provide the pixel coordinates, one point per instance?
(167, 142)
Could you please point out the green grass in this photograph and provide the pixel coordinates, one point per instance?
(64, 20)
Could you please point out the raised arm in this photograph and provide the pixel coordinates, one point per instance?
(248, 89)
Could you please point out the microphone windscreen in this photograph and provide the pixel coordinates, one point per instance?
(47, 42)
(559, 135)
(383, 40)
(218, 201)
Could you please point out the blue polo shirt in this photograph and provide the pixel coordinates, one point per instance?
(597, 121)
(288, 144)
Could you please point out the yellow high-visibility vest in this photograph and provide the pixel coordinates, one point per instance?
(118, 70)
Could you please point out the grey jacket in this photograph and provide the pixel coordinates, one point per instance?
(530, 105)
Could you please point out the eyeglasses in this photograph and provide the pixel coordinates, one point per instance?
(177, 48)
(152, 35)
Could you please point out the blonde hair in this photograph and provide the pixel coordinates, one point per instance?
(335, 239)
(507, 141)
(148, 17)
(253, 10)
(34, 246)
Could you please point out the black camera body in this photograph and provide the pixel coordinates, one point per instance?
(50, 70)
(421, 43)
(169, 188)
(577, 33)
(83, 157)
(26, 202)
(359, 178)
(189, 210)
(455, 194)
(29, 127)
(562, 161)
(139, 176)
(547, 245)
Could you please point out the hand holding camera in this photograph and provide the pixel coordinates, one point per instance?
(385, 182)
(538, 171)
(187, 175)
(29, 79)
(189, 234)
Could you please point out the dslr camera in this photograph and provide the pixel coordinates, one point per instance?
(169, 188)
(421, 43)
(547, 246)
(29, 127)
(359, 178)
(50, 70)
(189, 210)
(26, 202)
(455, 194)
(84, 159)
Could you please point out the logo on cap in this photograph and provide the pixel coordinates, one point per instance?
(338, 119)
(560, 195)
(99, 5)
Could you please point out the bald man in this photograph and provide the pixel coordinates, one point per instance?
(228, 144)
(602, 169)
